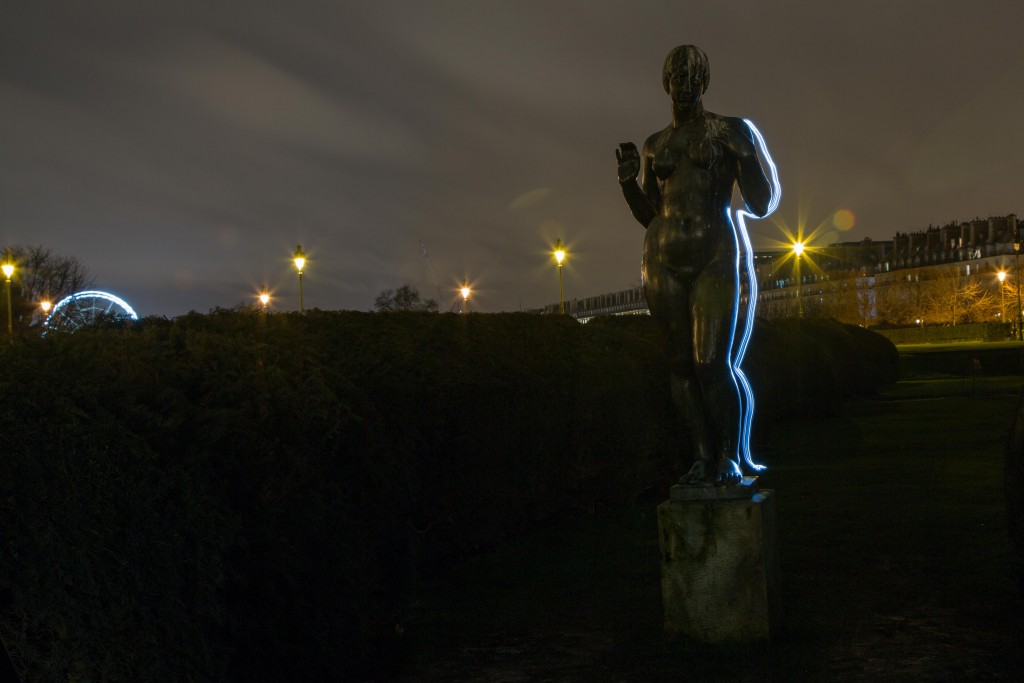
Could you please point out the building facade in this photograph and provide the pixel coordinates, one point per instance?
(941, 275)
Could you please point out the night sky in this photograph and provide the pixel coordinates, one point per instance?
(182, 149)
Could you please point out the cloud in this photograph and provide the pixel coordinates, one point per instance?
(248, 91)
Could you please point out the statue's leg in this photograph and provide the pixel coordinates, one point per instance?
(713, 309)
(667, 292)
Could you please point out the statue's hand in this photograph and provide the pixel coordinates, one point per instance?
(629, 162)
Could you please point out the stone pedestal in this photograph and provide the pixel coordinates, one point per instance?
(719, 567)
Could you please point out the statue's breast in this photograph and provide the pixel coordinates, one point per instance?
(666, 160)
(700, 150)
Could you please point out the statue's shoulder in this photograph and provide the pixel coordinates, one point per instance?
(655, 138)
(736, 131)
(734, 124)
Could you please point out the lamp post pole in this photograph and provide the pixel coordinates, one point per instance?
(1016, 259)
(798, 250)
(1001, 276)
(300, 262)
(559, 257)
(8, 269)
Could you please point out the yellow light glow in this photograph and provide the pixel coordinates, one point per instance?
(1001, 275)
(46, 306)
(264, 298)
(465, 292)
(559, 252)
(299, 258)
(798, 248)
(8, 269)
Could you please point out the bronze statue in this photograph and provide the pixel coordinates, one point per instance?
(691, 253)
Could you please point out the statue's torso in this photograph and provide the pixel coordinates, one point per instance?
(695, 178)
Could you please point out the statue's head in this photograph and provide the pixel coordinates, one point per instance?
(688, 58)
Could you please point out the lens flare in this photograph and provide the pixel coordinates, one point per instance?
(843, 219)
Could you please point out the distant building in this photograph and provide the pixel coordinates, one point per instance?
(855, 281)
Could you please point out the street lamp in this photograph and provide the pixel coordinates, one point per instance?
(264, 300)
(798, 249)
(8, 269)
(300, 262)
(1001, 276)
(46, 306)
(465, 297)
(559, 257)
(1016, 258)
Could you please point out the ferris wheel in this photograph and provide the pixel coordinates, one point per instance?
(85, 308)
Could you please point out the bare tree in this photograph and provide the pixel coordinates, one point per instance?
(952, 297)
(847, 298)
(903, 301)
(40, 275)
(405, 298)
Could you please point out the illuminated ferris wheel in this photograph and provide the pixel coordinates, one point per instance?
(86, 308)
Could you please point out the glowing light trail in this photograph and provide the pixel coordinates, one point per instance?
(743, 390)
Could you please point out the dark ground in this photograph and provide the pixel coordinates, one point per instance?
(895, 566)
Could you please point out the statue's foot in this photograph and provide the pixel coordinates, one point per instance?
(698, 475)
(729, 473)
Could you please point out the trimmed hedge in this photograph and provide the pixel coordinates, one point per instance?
(237, 497)
(937, 334)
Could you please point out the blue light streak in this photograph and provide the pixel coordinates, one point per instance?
(743, 390)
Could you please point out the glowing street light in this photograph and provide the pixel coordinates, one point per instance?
(46, 306)
(8, 269)
(300, 262)
(559, 257)
(798, 249)
(465, 297)
(1001, 276)
(1016, 258)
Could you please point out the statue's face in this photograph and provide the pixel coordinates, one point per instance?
(685, 84)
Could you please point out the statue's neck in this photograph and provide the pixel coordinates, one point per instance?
(683, 115)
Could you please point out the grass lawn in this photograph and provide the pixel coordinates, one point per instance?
(895, 566)
(939, 347)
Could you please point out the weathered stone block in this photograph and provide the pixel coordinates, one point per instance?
(719, 568)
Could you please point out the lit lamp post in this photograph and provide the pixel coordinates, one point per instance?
(300, 262)
(264, 300)
(465, 297)
(798, 249)
(1016, 259)
(8, 269)
(1001, 276)
(46, 306)
(559, 257)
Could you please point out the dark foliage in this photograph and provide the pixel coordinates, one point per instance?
(234, 496)
(1014, 480)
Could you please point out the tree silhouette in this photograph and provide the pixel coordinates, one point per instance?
(405, 298)
(41, 275)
